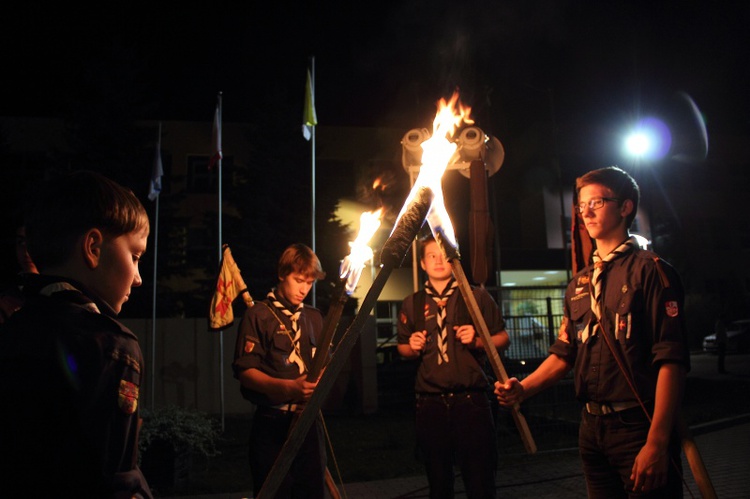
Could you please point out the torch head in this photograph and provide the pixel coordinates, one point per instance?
(407, 227)
(446, 244)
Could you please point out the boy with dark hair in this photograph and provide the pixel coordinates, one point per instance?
(70, 373)
(276, 342)
(623, 334)
(454, 421)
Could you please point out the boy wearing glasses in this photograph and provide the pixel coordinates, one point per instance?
(623, 334)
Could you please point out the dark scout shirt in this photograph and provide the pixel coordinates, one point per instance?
(264, 343)
(70, 377)
(465, 369)
(643, 310)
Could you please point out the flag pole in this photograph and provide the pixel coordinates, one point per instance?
(153, 194)
(221, 333)
(153, 306)
(312, 163)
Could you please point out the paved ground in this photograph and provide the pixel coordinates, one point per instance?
(724, 447)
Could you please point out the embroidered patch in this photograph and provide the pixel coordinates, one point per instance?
(583, 280)
(426, 310)
(672, 308)
(562, 334)
(128, 397)
(402, 318)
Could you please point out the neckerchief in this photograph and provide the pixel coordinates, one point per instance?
(294, 356)
(597, 279)
(442, 300)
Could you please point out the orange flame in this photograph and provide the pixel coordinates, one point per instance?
(437, 152)
(361, 253)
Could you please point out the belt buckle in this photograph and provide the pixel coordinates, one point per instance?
(599, 409)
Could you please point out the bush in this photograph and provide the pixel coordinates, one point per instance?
(181, 428)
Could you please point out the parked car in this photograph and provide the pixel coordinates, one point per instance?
(738, 338)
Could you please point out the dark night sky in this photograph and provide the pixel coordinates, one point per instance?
(381, 63)
(589, 67)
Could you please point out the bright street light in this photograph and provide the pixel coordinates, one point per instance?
(649, 140)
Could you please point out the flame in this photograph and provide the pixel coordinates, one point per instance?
(437, 152)
(360, 253)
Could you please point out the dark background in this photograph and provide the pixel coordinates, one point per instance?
(379, 64)
(558, 82)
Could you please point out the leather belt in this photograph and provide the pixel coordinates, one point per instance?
(280, 407)
(457, 393)
(604, 408)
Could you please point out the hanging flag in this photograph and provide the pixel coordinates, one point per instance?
(309, 117)
(154, 187)
(229, 286)
(216, 139)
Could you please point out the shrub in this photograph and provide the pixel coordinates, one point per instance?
(183, 429)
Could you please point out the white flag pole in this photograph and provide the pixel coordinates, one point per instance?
(221, 332)
(312, 164)
(155, 190)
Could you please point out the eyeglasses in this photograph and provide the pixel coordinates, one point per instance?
(594, 204)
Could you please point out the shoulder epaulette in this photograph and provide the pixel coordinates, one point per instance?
(662, 274)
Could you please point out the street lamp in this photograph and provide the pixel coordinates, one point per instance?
(648, 142)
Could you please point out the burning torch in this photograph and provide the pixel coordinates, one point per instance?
(438, 151)
(392, 255)
(349, 273)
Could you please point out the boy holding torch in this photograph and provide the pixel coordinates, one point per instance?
(276, 342)
(623, 334)
(454, 421)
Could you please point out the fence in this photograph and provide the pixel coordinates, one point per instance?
(191, 367)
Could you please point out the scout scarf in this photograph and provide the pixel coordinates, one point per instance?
(600, 266)
(442, 300)
(294, 356)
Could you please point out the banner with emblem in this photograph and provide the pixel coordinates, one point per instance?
(229, 285)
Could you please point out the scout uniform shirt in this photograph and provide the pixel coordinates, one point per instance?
(464, 370)
(642, 310)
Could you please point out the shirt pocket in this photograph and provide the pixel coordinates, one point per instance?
(281, 341)
(580, 310)
(621, 310)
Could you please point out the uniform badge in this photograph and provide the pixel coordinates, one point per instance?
(672, 308)
(562, 334)
(426, 310)
(402, 318)
(127, 397)
(583, 280)
(624, 288)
